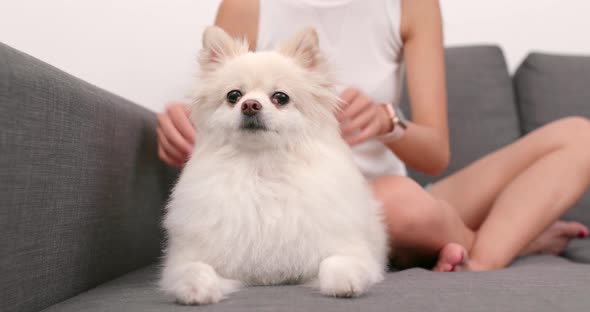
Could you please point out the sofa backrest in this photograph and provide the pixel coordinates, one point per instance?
(482, 110)
(549, 87)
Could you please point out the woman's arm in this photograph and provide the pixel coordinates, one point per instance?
(425, 145)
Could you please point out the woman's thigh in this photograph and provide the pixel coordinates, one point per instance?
(473, 189)
(416, 219)
(406, 205)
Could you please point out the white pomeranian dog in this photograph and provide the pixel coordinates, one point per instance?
(271, 194)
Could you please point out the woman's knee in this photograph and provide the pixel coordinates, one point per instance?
(568, 131)
(407, 206)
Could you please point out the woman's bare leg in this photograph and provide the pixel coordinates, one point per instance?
(512, 195)
(419, 225)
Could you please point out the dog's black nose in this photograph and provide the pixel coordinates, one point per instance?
(251, 107)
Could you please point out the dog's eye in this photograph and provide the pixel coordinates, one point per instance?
(280, 98)
(234, 96)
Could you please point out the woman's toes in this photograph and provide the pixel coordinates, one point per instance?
(451, 258)
(571, 229)
(583, 231)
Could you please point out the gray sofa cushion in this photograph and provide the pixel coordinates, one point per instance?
(549, 87)
(539, 283)
(81, 188)
(579, 251)
(482, 111)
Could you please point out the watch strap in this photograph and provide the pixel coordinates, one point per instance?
(399, 125)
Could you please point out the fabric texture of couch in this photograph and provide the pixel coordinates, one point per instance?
(82, 194)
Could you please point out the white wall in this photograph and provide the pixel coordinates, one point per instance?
(519, 26)
(145, 50)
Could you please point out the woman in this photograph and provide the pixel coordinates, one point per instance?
(480, 218)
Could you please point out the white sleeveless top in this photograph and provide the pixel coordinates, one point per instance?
(361, 40)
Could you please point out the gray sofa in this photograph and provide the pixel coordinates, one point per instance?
(82, 193)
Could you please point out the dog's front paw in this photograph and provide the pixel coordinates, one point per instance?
(341, 276)
(194, 283)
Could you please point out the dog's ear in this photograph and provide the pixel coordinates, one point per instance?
(218, 47)
(304, 47)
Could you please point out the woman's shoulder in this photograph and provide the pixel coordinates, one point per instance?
(239, 18)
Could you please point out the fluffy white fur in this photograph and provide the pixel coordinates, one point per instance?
(281, 205)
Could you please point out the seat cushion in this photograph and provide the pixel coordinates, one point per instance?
(549, 87)
(481, 108)
(579, 251)
(539, 283)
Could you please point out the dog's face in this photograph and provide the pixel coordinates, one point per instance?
(263, 99)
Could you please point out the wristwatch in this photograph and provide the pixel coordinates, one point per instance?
(399, 124)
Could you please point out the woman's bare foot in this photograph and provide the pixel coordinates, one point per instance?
(454, 257)
(451, 258)
(555, 239)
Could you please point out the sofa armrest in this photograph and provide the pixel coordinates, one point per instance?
(81, 188)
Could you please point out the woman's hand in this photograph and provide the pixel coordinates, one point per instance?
(361, 118)
(176, 134)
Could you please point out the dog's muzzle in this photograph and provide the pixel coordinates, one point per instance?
(252, 123)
